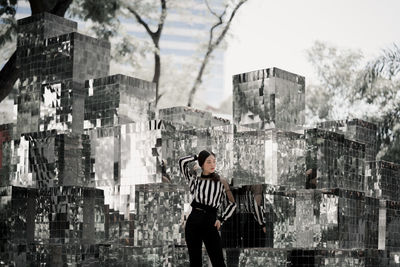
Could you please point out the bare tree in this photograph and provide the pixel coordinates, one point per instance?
(214, 40)
(155, 37)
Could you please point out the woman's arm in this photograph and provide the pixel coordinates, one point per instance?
(228, 211)
(259, 215)
(259, 212)
(183, 166)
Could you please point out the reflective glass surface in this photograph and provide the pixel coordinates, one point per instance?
(89, 175)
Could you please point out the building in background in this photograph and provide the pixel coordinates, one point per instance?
(184, 32)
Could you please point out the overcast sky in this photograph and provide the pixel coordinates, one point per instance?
(277, 33)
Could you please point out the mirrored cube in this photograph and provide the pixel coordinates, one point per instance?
(191, 117)
(160, 214)
(47, 159)
(269, 98)
(41, 26)
(260, 206)
(69, 215)
(6, 134)
(17, 217)
(269, 157)
(119, 232)
(52, 73)
(15, 163)
(383, 180)
(358, 130)
(118, 99)
(69, 225)
(152, 256)
(64, 254)
(336, 219)
(257, 257)
(323, 257)
(332, 161)
(124, 156)
(178, 141)
(392, 226)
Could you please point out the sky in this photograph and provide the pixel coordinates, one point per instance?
(270, 33)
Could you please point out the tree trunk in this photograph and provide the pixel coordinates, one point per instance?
(157, 70)
(198, 80)
(38, 6)
(155, 36)
(213, 43)
(8, 76)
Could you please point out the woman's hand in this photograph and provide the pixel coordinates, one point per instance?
(217, 224)
(195, 167)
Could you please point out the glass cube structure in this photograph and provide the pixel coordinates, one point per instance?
(116, 100)
(358, 130)
(54, 62)
(191, 117)
(47, 159)
(272, 157)
(332, 161)
(17, 221)
(115, 196)
(269, 98)
(383, 180)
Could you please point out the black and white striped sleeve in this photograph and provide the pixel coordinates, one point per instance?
(259, 213)
(228, 211)
(190, 177)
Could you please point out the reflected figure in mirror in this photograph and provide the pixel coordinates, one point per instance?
(253, 216)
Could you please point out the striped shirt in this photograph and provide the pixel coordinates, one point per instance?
(207, 191)
(251, 206)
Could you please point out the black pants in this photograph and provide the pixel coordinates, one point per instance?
(200, 228)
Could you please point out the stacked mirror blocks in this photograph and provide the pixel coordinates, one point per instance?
(89, 173)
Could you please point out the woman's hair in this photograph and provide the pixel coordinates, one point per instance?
(215, 177)
(201, 158)
(203, 155)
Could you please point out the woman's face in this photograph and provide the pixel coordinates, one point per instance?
(209, 165)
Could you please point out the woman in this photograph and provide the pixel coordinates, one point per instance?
(208, 191)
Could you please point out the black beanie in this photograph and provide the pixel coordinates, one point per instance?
(202, 157)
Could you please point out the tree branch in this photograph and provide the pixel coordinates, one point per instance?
(163, 16)
(61, 7)
(8, 76)
(225, 30)
(141, 21)
(214, 13)
(213, 44)
(37, 6)
(155, 36)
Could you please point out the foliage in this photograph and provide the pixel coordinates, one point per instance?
(386, 66)
(7, 21)
(349, 89)
(103, 13)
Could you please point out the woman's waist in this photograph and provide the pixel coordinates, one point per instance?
(204, 208)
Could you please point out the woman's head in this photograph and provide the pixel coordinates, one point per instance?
(207, 161)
